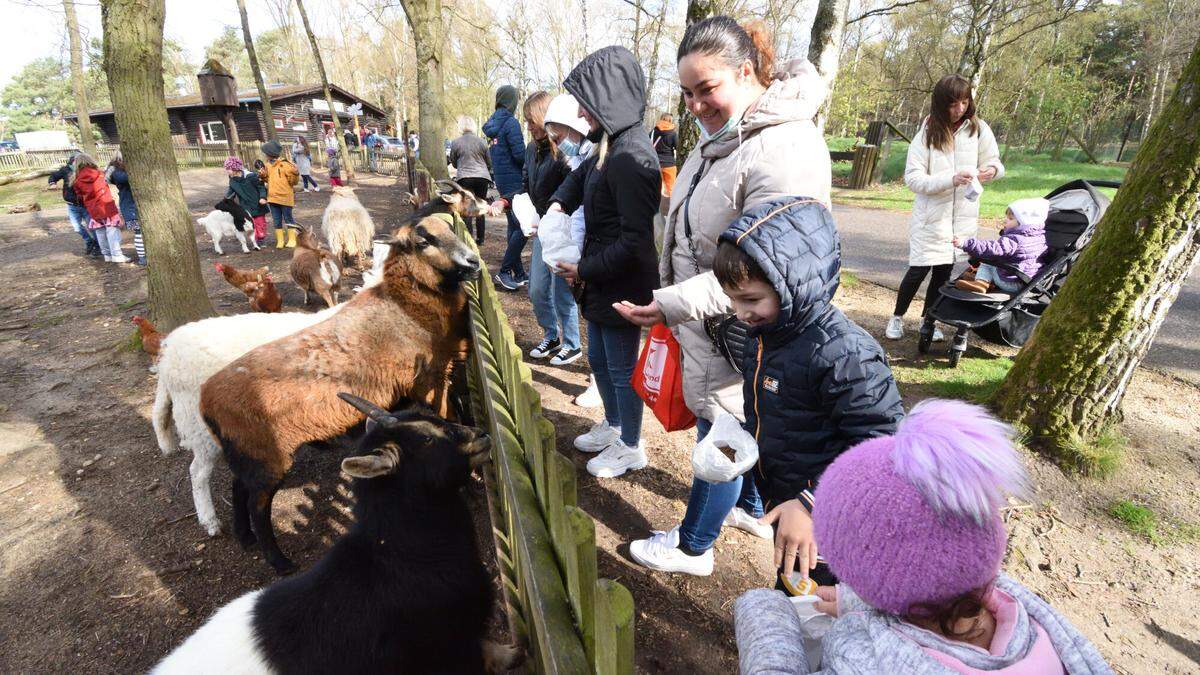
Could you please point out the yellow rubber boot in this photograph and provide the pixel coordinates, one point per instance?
(278, 238)
(291, 243)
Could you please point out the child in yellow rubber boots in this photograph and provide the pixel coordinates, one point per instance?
(282, 177)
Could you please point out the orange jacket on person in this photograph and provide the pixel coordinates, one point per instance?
(282, 176)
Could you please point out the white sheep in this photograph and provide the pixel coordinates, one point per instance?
(189, 355)
(347, 226)
(219, 224)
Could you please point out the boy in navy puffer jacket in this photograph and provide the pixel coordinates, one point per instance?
(816, 384)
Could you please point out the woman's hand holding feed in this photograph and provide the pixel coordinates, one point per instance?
(987, 173)
(568, 271)
(640, 315)
(963, 177)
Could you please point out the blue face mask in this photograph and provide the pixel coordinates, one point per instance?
(730, 124)
(568, 147)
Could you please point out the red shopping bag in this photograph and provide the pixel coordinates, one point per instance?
(658, 380)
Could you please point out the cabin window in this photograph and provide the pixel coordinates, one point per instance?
(212, 132)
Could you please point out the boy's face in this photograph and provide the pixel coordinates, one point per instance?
(755, 302)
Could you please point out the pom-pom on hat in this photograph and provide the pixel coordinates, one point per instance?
(234, 164)
(914, 518)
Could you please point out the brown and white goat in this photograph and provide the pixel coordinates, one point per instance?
(449, 197)
(397, 340)
(316, 270)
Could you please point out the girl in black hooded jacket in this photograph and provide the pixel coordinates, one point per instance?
(619, 190)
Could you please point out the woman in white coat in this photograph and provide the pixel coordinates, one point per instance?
(952, 148)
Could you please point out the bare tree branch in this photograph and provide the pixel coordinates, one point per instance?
(882, 11)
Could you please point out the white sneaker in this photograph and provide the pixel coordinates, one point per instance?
(108, 258)
(119, 258)
(616, 459)
(566, 356)
(544, 348)
(744, 521)
(591, 397)
(599, 437)
(895, 328)
(938, 336)
(661, 552)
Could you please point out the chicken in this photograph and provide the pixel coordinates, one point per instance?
(315, 269)
(239, 278)
(151, 338)
(263, 295)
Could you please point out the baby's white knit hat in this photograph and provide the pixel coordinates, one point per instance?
(1030, 211)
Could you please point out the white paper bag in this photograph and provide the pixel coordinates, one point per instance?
(974, 190)
(554, 232)
(813, 626)
(711, 465)
(525, 212)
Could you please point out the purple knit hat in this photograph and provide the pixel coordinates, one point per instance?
(914, 518)
(234, 164)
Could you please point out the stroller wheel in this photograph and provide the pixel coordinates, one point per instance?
(959, 347)
(924, 341)
(954, 357)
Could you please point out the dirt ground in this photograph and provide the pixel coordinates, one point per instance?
(104, 569)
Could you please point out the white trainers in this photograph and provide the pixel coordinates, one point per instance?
(895, 328)
(938, 336)
(744, 521)
(661, 552)
(591, 397)
(599, 437)
(616, 459)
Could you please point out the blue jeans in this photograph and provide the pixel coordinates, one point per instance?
(516, 243)
(281, 214)
(78, 216)
(553, 304)
(613, 354)
(307, 178)
(988, 273)
(709, 503)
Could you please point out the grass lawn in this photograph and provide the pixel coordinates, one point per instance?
(1027, 175)
(975, 379)
(35, 190)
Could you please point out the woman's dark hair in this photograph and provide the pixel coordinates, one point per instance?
(733, 43)
(939, 132)
(733, 267)
(945, 615)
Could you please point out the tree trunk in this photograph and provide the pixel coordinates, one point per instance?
(347, 164)
(268, 116)
(824, 47)
(133, 37)
(653, 75)
(697, 10)
(77, 82)
(979, 34)
(231, 133)
(425, 19)
(1068, 382)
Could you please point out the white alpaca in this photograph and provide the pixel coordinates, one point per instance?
(190, 355)
(347, 226)
(220, 224)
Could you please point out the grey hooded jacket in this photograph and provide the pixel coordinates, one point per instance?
(867, 641)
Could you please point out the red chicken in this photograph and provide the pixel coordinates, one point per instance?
(151, 338)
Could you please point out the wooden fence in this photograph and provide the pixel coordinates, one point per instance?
(570, 621)
(187, 156)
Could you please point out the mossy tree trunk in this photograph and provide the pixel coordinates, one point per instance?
(825, 45)
(347, 165)
(77, 83)
(425, 19)
(133, 37)
(268, 116)
(1067, 384)
(697, 10)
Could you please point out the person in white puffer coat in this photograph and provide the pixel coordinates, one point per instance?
(952, 148)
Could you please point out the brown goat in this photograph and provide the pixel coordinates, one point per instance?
(315, 269)
(397, 340)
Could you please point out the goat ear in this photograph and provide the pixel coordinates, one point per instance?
(450, 197)
(371, 466)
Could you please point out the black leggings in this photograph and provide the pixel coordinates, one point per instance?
(912, 281)
(479, 188)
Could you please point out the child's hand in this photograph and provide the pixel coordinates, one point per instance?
(828, 600)
(795, 546)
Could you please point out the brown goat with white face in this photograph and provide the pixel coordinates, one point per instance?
(397, 340)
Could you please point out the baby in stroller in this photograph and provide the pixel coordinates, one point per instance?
(1020, 246)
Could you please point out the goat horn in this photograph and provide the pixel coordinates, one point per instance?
(366, 407)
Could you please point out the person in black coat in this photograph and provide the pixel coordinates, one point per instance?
(619, 190)
(76, 212)
(816, 384)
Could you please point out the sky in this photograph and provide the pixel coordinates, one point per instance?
(35, 28)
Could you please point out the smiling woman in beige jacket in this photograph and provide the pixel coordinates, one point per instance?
(758, 143)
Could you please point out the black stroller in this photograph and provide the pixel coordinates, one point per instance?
(1009, 319)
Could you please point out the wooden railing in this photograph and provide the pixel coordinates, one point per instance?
(187, 156)
(570, 621)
